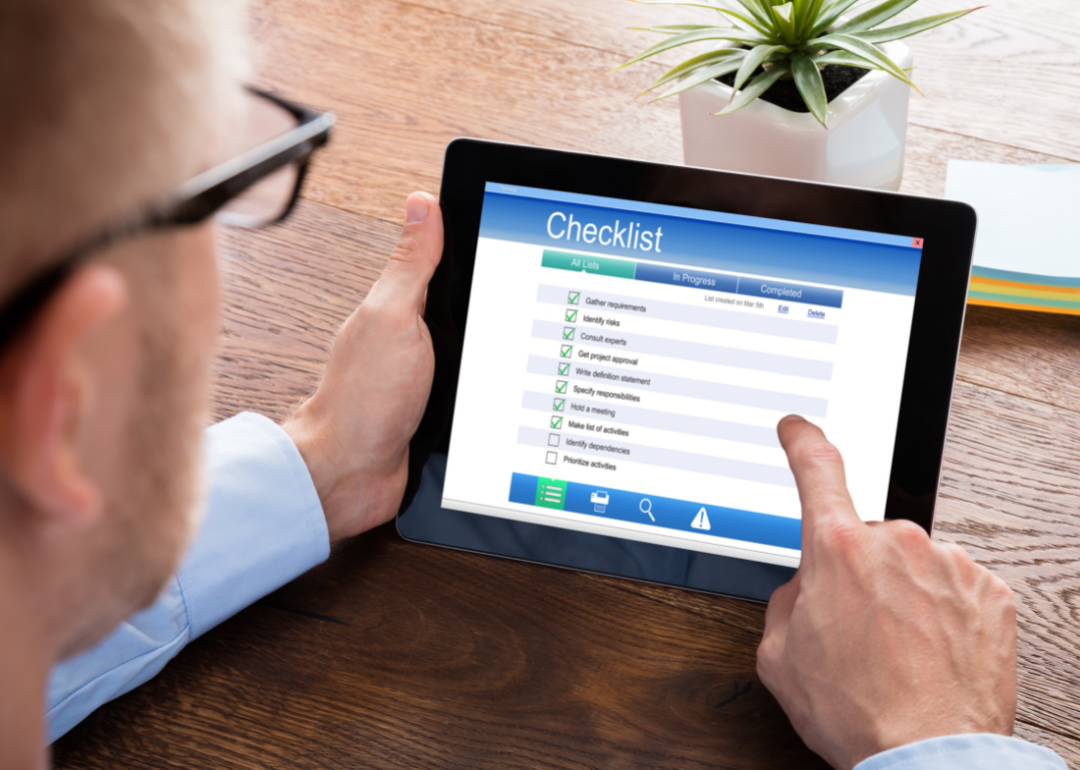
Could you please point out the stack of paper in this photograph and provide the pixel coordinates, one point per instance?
(1027, 255)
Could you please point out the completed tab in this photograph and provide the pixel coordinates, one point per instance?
(791, 292)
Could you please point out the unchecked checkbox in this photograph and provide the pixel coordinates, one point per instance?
(566, 351)
(552, 458)
(556, 423)
(558, 404)
(568, 333)
(571, 316)
(564, 369)
(573, 297)
(553, 439)
(560, 386)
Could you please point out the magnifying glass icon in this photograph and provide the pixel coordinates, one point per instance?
(646, 507)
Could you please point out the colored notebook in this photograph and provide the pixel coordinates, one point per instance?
(1027, 255)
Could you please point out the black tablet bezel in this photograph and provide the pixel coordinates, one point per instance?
(947, 227)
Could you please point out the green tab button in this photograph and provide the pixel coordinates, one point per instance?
(551, 493)
(580, 263)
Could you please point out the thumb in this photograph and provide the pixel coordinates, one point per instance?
(416, 255)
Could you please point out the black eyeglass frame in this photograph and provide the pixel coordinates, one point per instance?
(193, 202)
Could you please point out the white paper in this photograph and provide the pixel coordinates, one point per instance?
(1028, 215)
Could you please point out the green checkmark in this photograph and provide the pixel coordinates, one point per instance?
(568, 333)
(556, 422)
(558, 404)
(560, 386)
(567, 350)
(572, 298)
(564, 369)
(571, 316)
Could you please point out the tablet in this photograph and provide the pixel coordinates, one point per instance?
(615, 342)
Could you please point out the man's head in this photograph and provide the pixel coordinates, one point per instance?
(110, 104)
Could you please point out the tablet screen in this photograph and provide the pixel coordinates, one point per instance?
(625, 365)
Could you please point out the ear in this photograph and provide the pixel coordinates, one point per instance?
(45, 388)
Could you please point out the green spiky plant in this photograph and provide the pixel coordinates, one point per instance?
(786, 40)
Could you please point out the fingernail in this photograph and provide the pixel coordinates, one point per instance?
(416, 209)
(793, 418)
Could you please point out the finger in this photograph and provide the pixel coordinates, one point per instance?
(819, 475)
(782, 603)
(417, 254)
(777, 617)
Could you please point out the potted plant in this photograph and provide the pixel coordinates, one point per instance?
(795, 89)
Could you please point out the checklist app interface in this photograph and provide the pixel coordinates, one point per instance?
(625, 366)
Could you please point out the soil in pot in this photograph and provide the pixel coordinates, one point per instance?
(785, 94)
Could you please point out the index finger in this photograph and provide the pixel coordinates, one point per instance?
(819, 475)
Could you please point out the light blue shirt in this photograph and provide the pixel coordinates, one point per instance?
(979, 751)
(265, 526)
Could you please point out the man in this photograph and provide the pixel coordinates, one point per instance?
(115, 109)
(121, 118)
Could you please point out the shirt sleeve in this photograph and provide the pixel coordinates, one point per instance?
(966, 752)
(264, 526)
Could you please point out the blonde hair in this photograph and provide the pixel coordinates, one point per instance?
(107, 104)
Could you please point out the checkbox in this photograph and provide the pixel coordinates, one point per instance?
(564, 369)
(558, 404)
(566, 351)
(553, 439)
(568, 333)
(560, 386)
(556, 423)
(571, 316)
(552, 458)
(573, 297)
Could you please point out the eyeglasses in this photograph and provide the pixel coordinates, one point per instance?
(259, 187)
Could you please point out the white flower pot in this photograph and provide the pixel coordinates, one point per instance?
(863, 146)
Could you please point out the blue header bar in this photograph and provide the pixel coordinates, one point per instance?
(709, 216)
(693, 238)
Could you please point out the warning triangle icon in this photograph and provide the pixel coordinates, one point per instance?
(701, 521)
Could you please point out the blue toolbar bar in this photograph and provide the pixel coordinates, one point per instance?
(656, 511)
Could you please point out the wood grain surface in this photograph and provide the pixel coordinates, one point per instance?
(399, 656)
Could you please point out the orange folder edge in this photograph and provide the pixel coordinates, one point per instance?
(1018, 306)
(975, 279)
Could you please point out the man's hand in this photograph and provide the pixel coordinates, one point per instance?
(354, 432)
(884, 637)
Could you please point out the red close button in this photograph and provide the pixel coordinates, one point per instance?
(916, 243)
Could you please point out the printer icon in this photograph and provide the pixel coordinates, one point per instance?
(600, 501)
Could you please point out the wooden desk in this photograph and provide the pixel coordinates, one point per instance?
(400, 656)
